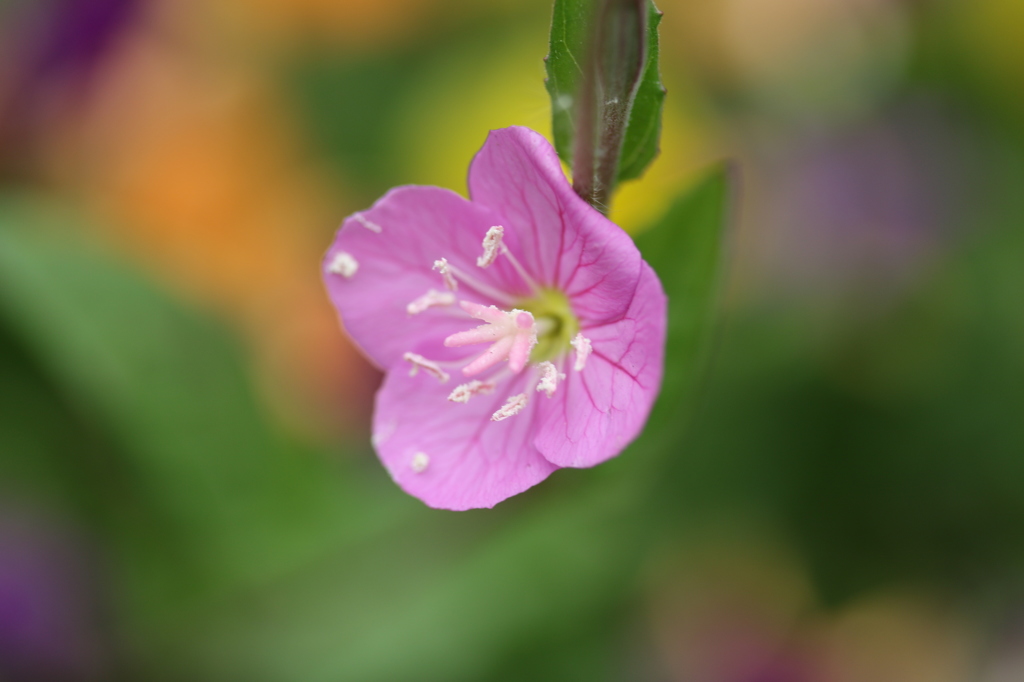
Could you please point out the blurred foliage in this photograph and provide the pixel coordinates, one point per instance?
(870, 433)
(386, 117)
(268, 563)
(644, 131)
(355, 132)
(197, 492)
(688, 251)
(629, 103)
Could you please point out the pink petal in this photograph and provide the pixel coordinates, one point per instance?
(597, 412)
(450, 454)
(562, 241)
(473, 462)
(418, 225)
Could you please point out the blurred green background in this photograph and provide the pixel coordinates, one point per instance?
(186, 487)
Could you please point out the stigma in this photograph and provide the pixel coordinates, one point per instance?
(512, 336)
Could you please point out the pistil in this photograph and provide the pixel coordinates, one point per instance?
(512, 336)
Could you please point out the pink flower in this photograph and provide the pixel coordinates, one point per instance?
(520, 331)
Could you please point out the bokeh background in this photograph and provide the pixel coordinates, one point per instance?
(186, 487)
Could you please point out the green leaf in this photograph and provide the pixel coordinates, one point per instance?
(422, 607)
(34, 457)
(643, 133)
(686, 249)
(212, 495)
(571, 27)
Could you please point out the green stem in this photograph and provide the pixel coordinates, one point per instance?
(612, 71)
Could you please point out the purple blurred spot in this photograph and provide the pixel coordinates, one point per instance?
(49, 615)
(865, 208)
(75, 34)
(55, 48)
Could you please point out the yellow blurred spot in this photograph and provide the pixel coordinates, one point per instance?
(448, 120)
(449, 115)
(688, 143)
(993, 30)
(897, 638)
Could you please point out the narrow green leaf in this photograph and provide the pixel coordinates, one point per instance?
(566, 63)
(686, 249)
(641, 145)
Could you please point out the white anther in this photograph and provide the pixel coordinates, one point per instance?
(368, 224)
(419, 463)
(429, 300)
(583, 350)
(383, 433)
(549, 379)
(492, 246)
(343, 264)
(446, 273)
(432, 368)
(464, 392)
(512, 407)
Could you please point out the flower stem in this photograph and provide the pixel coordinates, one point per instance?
(612, 70)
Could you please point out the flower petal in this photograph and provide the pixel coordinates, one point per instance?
(598, 411)
(473, 462)
(563, 242)
(394, 245)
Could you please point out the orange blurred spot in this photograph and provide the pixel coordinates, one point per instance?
(196, 172)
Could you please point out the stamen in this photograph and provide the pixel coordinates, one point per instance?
(445, 269)
(549, 378)
(429, 300)
(343, 264)
(432, 368)
(464, 392)
(368, 224)
(419, 463)
(492, 245)
(583, 350)
(478, 286)
(519, 268)
(512, 407)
